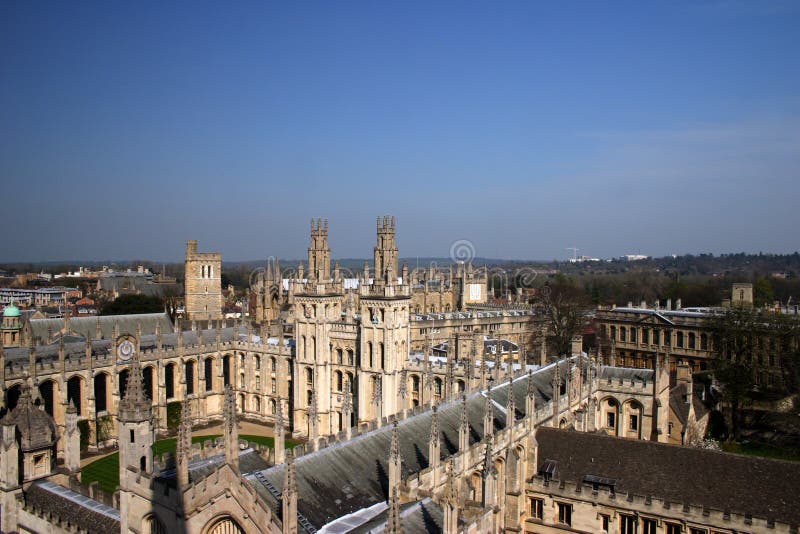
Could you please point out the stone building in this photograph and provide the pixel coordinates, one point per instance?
(457, 438)
(202, 283)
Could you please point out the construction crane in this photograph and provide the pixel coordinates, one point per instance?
(574, 254)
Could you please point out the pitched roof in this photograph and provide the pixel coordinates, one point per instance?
(712, 479)
(72, 507)
(350, 476)
(86, 327)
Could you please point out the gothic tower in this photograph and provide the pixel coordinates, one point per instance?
(202, 283)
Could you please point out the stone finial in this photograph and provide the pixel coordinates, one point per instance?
(184, 444)
(463, 427)
(134, 406)
(511, 407)
(289, 496)
(488, 414)
(231, 428)
(434, 435)
(394, 448)
(488, 462)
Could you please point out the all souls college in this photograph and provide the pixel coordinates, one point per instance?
(420, 406)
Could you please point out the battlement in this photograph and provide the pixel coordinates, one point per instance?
(652, 505)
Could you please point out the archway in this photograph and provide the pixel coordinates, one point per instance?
(101, 392)
(75, 393)
(47, 390)
(225, 525)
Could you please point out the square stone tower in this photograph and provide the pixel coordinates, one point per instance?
(202, 283)
(742, 294)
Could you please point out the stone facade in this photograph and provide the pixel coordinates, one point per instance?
(202, 283)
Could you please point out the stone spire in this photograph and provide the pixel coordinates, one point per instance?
(511, 406)
(530, 399)
(463, 427)
(313, 418)
(134, 406)
(434, 441)
(289, 497)
(183, 451)
(279, 432)
(395, 461)
(347, 408)
(488, 414)
(231, 429)
(393, 525)
(556, 392)
(489, 476)
(403, 390)
(450, 504)
(377, 399)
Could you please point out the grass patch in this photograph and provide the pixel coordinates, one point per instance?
(106, 470)
(762, 449)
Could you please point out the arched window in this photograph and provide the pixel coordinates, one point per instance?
(703, 342)
(309, 376)
(633, 335)
(169, 380)
(369, 353)
(74, 390)
(383, 355)
(349, 356)
(208, 373)
(338, 380)
(415, 383)
(257, 404)
(680, 339)
(189, 377)
(622, 333)
(272, 406)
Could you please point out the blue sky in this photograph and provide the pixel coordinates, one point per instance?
(526, 127)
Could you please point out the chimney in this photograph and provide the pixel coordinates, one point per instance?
(678, 304)
(669, 304)
(643, 304)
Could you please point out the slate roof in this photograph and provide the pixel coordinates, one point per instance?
(350, 476)
(681, 408)
(49, 353)
(86, 326)
(79, 510)
(423, 516)
(730, 482)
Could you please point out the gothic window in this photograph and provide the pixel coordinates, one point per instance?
(415, 384)
(241, 380)
(272, 406)
(648, 526)
(369, 352)
(537, 508)
(258, 383)
(339, 356)
(627, 524)
(565, 513)
(309, 376)
(338, 381)
(437, 386)
(634, 422)
(273, 365)
(169, 380)
(349, 357)
(208, 374)
(189, 377)
(611, 420)
(383, 355)
(226, 370)
(257, 362)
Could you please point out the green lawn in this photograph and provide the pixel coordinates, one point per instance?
(106, 470)
(762, 449)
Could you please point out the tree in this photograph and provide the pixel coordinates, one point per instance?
(762, 292)
(126, 304)
(565, 308)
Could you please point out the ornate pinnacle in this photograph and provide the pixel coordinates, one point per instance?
(230, 409)
(278, 416)
(464, 421)
(347, 403)
(488, 464)
(403, 388)
(393, 520)
(434, 425)
(511, 409)
(377, 395)
(313, 415)
(531, 392)
(450, 492)
(290, 481)
(394, 449)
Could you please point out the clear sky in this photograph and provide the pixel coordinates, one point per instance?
(127, 128)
